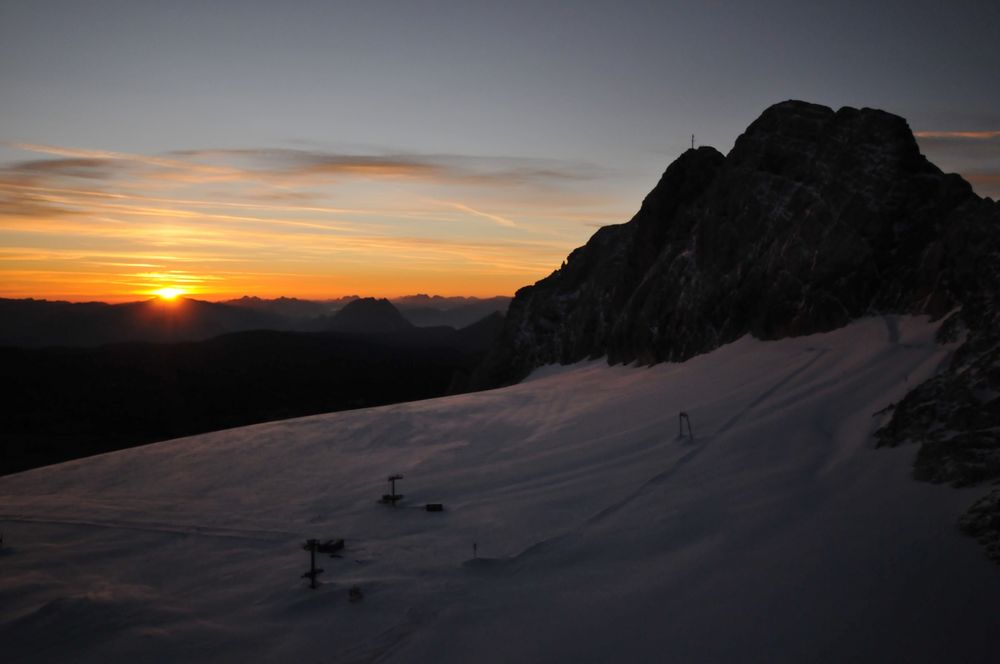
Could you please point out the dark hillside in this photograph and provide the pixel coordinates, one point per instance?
(65, 403)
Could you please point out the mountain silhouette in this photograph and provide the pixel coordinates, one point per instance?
(456, 312)
(815, 218)
(368, 315)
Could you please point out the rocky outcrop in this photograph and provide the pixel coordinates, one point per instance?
(955, 416)
(815, 218)
(572, 314)
(982, 521)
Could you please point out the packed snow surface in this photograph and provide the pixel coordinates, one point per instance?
(777, 534)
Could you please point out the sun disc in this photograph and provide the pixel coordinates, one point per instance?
(168, 293)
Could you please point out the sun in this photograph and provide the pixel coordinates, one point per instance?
(168, 293)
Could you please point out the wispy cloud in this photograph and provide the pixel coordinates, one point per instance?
(971, 135)
(974, 154)
(111, 159)
(986, 183)
(992, 179)
(290, 163)
(440, 168)
(276, 174)
(286, 221)
(496, 218)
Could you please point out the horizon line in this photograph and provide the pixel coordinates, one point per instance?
(146, 297)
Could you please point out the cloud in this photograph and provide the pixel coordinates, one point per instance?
(79, 167)
(975, 155)
(503, 221)
(266, 182)
(441, 168)
(309, 218)
(22, 196)
(960, 144)
(291, 163)
(970, 135)
(281, 173)
(109, 157)
(985, 178)
(985, 183)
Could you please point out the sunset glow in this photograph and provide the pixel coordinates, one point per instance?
(168, 293)
(91, 224)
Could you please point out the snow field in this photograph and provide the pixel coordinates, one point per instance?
(777, 534)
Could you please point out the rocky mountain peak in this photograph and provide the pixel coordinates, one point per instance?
(805, 130)
(814, 218)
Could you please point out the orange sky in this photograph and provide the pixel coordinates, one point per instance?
(97, 225)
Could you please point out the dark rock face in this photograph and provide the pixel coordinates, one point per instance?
(955, 417)
(982, 521)
(572, 314)
(813, 219)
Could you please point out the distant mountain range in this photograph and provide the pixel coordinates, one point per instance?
(425, 311)
(38, 323)
(421, 310)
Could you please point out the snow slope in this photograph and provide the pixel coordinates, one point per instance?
(779, 534)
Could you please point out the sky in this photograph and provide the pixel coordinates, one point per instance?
(321, 149)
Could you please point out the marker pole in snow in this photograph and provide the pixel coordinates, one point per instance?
(681, 419)
(392, 497)
(311, 546)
